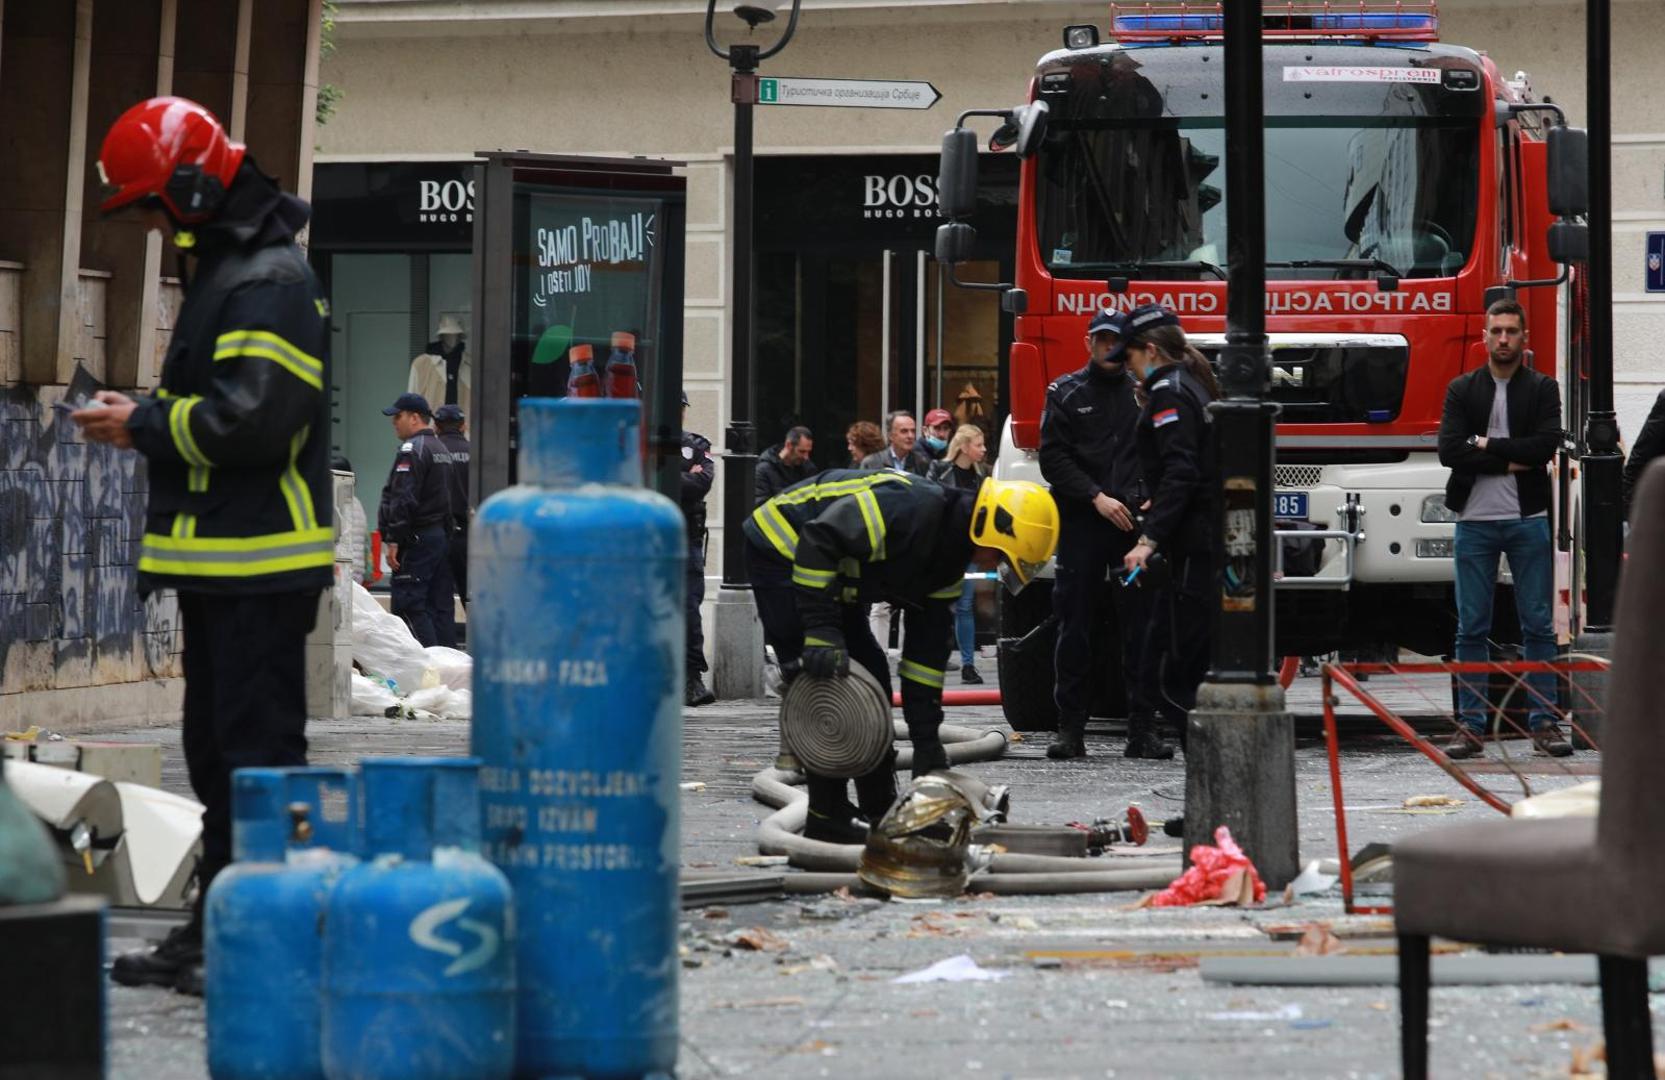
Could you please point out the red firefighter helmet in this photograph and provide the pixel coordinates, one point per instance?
(173, 150)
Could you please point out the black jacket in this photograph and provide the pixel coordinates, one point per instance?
(418, 491)
(775, 476)
(237, 433)
(1177, 459)
(1649, 444)
(918, 461)
(946, 473)
(456, 444)
(1087, 440)
(1534, 435)
(696, 450)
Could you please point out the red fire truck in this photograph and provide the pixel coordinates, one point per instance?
(1407, 182)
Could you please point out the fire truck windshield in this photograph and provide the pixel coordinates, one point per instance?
(1346, 197)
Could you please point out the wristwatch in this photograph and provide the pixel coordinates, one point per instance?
(1474, 440)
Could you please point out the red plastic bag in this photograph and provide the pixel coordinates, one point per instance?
(1221, 874)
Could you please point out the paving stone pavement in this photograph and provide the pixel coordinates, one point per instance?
(1125, 999)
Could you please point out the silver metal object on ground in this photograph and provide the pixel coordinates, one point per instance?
(923, 848)
(836, 727)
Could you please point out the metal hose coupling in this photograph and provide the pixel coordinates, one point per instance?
(836, 727)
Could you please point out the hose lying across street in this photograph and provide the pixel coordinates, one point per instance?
(833, 866)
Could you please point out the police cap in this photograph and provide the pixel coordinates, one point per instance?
(415, 403)
(449, 414)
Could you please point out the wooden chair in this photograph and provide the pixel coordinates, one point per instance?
(1574, 884)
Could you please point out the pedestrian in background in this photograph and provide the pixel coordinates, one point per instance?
(962, 467)
(863, 439)
(939, 428)
(784, 465)
(698, 471)
(1500, 427)
(415, 522)
(1090, 455)
(1650, 443)
(451, 424)
(236, 441)
(902, 451)
(1177, 463)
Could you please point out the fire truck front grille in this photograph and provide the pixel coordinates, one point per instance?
(1299, 476)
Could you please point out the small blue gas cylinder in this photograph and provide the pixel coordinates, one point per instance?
(293, 832)
(419, 938)
(577, 628)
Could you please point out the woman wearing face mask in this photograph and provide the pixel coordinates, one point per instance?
(962, 467)
(939, 425)
(1177, 461)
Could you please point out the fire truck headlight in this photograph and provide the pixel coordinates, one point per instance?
(1434, 509)
(1083, 36)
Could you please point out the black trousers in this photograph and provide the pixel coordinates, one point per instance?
(1087, 551)
(695, 595)
(456, 553)
(245, 698)
(1181, 630)
(783, 629)
(422, 592)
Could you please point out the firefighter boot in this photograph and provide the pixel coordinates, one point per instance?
(1070, 740)
(1144, 741)
(831, 818)
(695, 693)
(177, 955)
(876, 791)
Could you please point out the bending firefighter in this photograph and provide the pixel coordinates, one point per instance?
(825, 548)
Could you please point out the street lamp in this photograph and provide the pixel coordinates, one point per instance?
(739, 672)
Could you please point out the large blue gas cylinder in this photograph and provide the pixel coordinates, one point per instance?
(293, 832)
(419, 937)
(577, 628)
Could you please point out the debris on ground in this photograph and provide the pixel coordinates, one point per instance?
(1319, 941)
(691, 785)
(1219, 875)
(761, 860)
(1310, 882)
(961, 968)
(757, 939)
(1416, 802)
(1288, 1012)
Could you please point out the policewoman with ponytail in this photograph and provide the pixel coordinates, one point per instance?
(1176, 542)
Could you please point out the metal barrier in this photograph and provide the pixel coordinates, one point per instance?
(1508, 689)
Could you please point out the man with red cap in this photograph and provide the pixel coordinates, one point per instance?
(236, 439)
(939, 428)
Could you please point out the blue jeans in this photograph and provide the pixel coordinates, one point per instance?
(1526, 542)
(965, 621)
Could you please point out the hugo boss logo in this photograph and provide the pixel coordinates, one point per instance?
(445, 200)
(900, 196)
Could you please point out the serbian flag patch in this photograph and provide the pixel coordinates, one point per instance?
(1166, 416)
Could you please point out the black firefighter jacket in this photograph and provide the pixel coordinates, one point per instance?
(856, 535)
(237, 433)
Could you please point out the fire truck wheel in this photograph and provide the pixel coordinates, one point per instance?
(1027, 639)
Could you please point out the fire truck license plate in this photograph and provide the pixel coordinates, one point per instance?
(1290, 504)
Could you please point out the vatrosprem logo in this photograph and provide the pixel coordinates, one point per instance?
(445, 200)
(900, 196)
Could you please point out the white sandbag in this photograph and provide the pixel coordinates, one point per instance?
(384, 645)
(371, 698)
(454, 667)
(441, 702)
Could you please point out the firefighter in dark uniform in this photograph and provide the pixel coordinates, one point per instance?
(452, 427)
(415, 523)
(236, 439)
(1176, 457)
(1091, 460)
(698, 471)
(822, 550)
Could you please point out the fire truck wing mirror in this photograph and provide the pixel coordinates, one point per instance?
(1014, 301)
(1569, 242)
(955, 242)
(1031, 122)
(1569, 171)
(957, 174)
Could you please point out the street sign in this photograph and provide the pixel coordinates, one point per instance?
(847, 93)
(1656, 262)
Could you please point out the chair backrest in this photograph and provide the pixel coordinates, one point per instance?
(1632, 815)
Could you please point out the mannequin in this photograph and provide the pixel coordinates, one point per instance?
(444, 373)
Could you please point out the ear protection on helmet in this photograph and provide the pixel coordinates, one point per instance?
(194, 193)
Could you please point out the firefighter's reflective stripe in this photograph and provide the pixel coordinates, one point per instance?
(184, 525)
(776, 529)
(302, 514)
(784, 538)
(875, 523)
(269, 346)
(948, 592)
(811, 578)
(919, 673)
(816, 642)
(179, 426)
(225, 556)
(832, 489)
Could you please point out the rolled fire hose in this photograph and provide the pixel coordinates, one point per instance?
(837, 727)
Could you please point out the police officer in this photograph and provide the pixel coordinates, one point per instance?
(698, 471)
(1176, 458)
(236, 440)
(452, 427)
(415, 523)
(1090, 457)
(823, 549)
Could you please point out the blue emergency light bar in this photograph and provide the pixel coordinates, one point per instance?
(1405, 20)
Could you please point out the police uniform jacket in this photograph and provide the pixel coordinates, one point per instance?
(859, 536)
(418, 491)
(456, 444)
(1087, 440)
(237, 434)
(696, 450)
(1176, 456)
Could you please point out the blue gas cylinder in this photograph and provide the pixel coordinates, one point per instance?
(293, 832)
(419, 937)
(577, 628)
